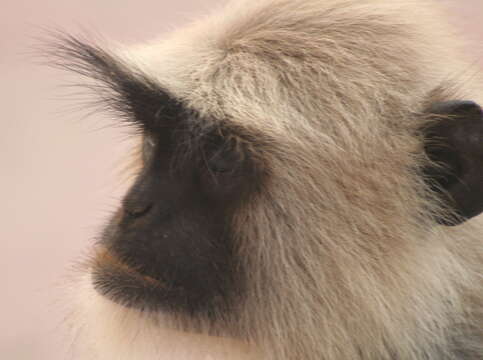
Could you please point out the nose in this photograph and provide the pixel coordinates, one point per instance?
(137, 210)
(139, 201)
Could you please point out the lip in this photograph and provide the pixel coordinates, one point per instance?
(119, 281)
(105, 260)
(124, 284)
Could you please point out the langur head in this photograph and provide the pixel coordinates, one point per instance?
(303, 166)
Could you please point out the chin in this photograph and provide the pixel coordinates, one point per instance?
(128, 286)
(106, 329)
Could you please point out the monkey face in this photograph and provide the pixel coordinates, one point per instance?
(171, 245)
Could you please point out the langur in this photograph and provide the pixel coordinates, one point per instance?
(309, 177)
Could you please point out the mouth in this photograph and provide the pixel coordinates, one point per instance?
(108, 260)
(126, 285)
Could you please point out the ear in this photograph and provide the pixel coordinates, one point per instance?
(455, 142)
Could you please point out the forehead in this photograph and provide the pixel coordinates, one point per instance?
(215, 83)
(272, 66)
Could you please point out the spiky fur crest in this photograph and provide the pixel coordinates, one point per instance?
(345, 259)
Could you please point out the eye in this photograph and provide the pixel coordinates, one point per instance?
(223, 162)
(148, 147)
(224, 171)
(223, 156)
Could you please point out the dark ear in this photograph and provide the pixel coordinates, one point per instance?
(455, 142)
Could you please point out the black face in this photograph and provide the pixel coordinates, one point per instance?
(171, 244)
(172, 248)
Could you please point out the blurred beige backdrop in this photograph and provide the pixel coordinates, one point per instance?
(58, 170)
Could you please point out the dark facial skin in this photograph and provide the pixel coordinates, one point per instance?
(172, 248)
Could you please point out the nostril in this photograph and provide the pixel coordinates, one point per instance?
(137, 210)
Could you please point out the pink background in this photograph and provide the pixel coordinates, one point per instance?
(58, 170)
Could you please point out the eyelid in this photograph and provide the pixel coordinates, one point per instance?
(218, 164)
(225, 161)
